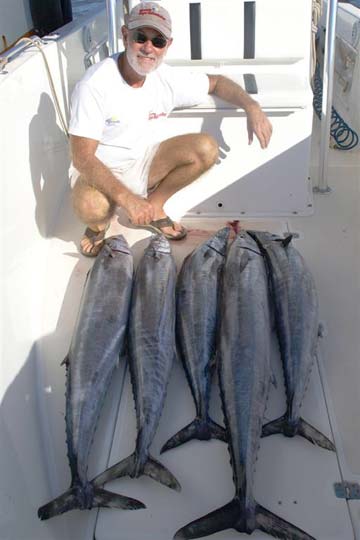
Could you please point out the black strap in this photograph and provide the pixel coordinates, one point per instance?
(195, 31)
(249, 29)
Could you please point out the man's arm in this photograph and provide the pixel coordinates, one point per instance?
(96, 174)
(257, 121)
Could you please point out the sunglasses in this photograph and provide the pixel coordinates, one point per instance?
(159, 42)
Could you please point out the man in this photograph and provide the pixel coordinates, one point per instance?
(118, 109)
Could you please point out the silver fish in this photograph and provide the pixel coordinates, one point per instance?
(244, 376)
(297, 322)
(97, 342)
(196, 324)
(151, 355)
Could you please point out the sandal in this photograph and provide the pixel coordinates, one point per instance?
(157, 225)
(96, 239)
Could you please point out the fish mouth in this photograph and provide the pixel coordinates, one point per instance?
(116, 244)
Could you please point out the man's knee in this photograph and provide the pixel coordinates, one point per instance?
(90, 205)
(207, 150)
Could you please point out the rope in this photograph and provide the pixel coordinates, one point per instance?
(345, 138)
(51, 82)
(317, 7)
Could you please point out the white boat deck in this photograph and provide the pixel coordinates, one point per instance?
(293, 478)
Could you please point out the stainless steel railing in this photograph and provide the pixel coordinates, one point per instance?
(21, 45)
(328, 83)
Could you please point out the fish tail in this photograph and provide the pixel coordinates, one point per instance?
(125, 467)
(274, 525)
(218, 520)
(198, 429)
(73, 499)
(302, 428)
(233, 516)
(108, 499)
(158, 472)
(314, 436)
(275, 426)
(129, 467)
(65, 502)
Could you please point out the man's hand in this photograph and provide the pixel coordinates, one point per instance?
(258, 123)
(138, 209)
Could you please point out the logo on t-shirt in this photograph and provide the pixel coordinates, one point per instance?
(112, 121)
(155, 116)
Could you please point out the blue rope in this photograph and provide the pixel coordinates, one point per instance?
(344, 137)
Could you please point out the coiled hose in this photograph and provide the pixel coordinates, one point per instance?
(345, 138)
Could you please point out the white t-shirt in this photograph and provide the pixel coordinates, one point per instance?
(126, 120)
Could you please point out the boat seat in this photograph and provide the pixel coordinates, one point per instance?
(231, 37)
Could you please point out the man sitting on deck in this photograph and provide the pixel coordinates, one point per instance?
(117, 110)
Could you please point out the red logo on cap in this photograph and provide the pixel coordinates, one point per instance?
(148, 11)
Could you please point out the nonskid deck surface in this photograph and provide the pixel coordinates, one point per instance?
(294, 479)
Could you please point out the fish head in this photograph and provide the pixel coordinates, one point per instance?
(264, 238)
(158, 244)
(117, 244)
(247, 247)
(246, 241)
(219, 241)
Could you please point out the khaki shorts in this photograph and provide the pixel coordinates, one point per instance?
(133, 174)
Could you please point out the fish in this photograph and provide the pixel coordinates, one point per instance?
(244, 377)
(151, 349)
(297, 323)
(97, 342)
(197, 302)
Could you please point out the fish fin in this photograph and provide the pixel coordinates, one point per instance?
(70, 500)
(322, 330)
(274, 427)
(125, 467)
(233, 516)
(314, 436)
(65, 502)
(273, 380)
(198, 429)
(244, 261)
(274, 525)
(218, 520)
(158, 472)
(66, 361)
(281, 425)
(108, 499)
(286, 241)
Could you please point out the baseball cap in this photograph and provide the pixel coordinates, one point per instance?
(150, 14)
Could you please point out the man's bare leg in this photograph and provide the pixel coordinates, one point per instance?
(177, 163)
(94, 209)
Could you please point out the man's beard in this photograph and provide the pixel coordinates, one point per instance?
(133, 61)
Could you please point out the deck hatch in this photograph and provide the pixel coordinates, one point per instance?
(347, 490)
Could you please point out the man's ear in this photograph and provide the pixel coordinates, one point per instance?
(125, 34)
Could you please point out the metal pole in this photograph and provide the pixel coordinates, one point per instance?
(328, 83)
(112, 26)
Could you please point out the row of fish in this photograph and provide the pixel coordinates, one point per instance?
(222, 312)
(259, 271)
(116, 306)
